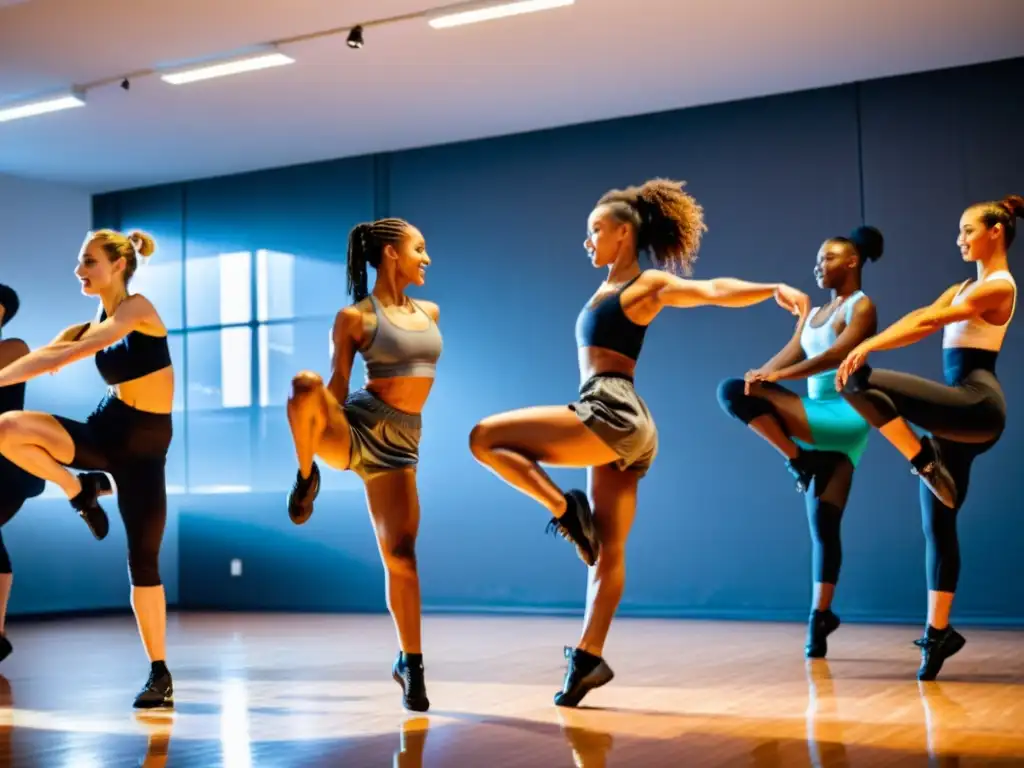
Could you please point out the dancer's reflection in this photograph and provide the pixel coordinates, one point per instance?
(413, 740)
(941, 716)
(590, 748)
(821, 704)
(158, 725)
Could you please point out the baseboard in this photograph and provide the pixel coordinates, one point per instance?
(90, 613)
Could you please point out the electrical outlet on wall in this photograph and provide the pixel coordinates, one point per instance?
(236, 567)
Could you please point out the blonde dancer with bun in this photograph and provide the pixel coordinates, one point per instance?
(127, 436)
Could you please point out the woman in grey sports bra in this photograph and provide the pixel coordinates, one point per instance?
(376, 433)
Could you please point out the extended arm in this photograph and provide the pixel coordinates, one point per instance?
(675, 291)
(63, 351)
(924, 322)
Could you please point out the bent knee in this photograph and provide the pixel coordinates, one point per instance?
(481, 439)
(12, 428)
(306, 382)
(730, 391)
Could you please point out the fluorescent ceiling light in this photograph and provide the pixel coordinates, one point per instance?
(40, 106)
(491, 12)
(224, 68)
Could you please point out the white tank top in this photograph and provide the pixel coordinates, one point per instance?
(975, 332)
(818, 340)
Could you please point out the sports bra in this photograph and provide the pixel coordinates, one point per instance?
(816, 340)
(976, 332)
(606, 325)
(395, 351)
(136, 355)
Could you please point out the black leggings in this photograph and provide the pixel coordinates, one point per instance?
(8, 509)
(825, 499)
(131, 445)
(16, 487)
(966, 418)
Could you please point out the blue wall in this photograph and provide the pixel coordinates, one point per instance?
(720, 531)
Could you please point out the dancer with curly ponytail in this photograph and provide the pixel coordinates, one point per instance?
(965, 416)
(609, 430)
(376, 433)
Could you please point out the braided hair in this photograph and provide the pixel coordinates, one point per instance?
(669, 223)
(365, 246)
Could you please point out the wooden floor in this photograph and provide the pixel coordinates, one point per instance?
(301, 690)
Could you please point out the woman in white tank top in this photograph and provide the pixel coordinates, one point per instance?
(965, 416)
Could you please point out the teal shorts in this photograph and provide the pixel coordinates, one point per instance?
(835, 426)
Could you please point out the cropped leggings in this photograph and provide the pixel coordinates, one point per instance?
(131, 445)
(966, 418)
(825, 499)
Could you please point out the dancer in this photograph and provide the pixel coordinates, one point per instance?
(16, 485)
(965, 417)
(376, 434)
(127, 436)
(821, 437)
(609, 429)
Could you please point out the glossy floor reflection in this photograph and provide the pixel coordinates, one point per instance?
(301, 690)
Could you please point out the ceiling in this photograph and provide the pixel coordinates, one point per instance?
(413, 86)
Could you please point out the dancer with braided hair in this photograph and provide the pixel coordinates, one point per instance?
(127, 436)
(609, 430)
(376, 433)
(965, 416)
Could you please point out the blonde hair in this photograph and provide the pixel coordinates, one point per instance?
(130, 247)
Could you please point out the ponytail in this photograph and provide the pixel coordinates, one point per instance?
(365, 246)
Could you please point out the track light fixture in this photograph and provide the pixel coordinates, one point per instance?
(451, 14)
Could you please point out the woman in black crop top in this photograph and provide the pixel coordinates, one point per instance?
(127, 436)
(609, 429)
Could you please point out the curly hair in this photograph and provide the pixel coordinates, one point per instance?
(1005, 212)
(365, 245)
(669, 223)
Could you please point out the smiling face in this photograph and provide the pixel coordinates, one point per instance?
(95, 271)
(606, 237)
(409, 257)
(835, 261)
(976, 240)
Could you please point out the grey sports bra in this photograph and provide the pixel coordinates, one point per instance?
(395, 351)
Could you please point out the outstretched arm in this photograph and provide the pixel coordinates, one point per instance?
(917, 325)
(62, 351)
(862, 325)
(924, 322)
(675, 291)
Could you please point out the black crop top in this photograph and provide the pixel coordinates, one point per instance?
(607, 326)
(136, 355)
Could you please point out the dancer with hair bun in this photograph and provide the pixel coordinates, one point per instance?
(127, 436)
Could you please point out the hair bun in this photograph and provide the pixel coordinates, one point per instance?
(143, 244)
(1015, 205)
(869, 241)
